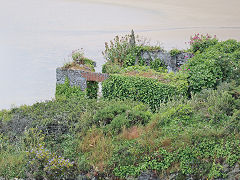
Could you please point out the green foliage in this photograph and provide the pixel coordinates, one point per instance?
(201, 42)
(179, 80)
(111, 68)
(183, 136)
(117, 50)
(43, 163)
(158, 65)
(118, 123)
(5, 116)
(181, 115)
(135, 68)
(78, 58)
(92, 89)
(13, 164)
(216, 64)
(175, 52)
(146, 90)
(80, 62)
(120, 52)
(108, 113)
(33, 137)
(202, 73)
(216, 106)
(121, 114)
(66, 91)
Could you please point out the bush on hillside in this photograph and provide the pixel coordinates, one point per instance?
(216, 64)
(199, 43)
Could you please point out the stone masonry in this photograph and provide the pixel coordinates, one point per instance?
(172, 62)
(78, 77)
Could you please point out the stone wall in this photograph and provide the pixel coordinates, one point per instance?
(78, 77)
(172, 62)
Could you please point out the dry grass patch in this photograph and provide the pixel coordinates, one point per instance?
(131, 133)
(99, 148)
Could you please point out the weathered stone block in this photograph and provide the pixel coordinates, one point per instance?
(75, 77)
(78, 77)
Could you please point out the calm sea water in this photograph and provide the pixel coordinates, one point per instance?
(38, 36)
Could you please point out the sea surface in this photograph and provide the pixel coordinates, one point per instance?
(37, 36)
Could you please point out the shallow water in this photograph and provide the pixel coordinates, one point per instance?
(38, 36)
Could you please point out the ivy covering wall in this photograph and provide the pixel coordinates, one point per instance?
(66, 91)
(147, 90)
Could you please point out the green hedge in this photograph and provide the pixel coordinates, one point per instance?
(147, 90)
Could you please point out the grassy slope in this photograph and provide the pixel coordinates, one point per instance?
(187, 137)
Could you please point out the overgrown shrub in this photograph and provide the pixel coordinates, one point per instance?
(45, 164)
(216, 64)
(123, 52)
(117, 50)
(121, 114)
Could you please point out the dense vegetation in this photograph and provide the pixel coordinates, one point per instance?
(194, 134)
